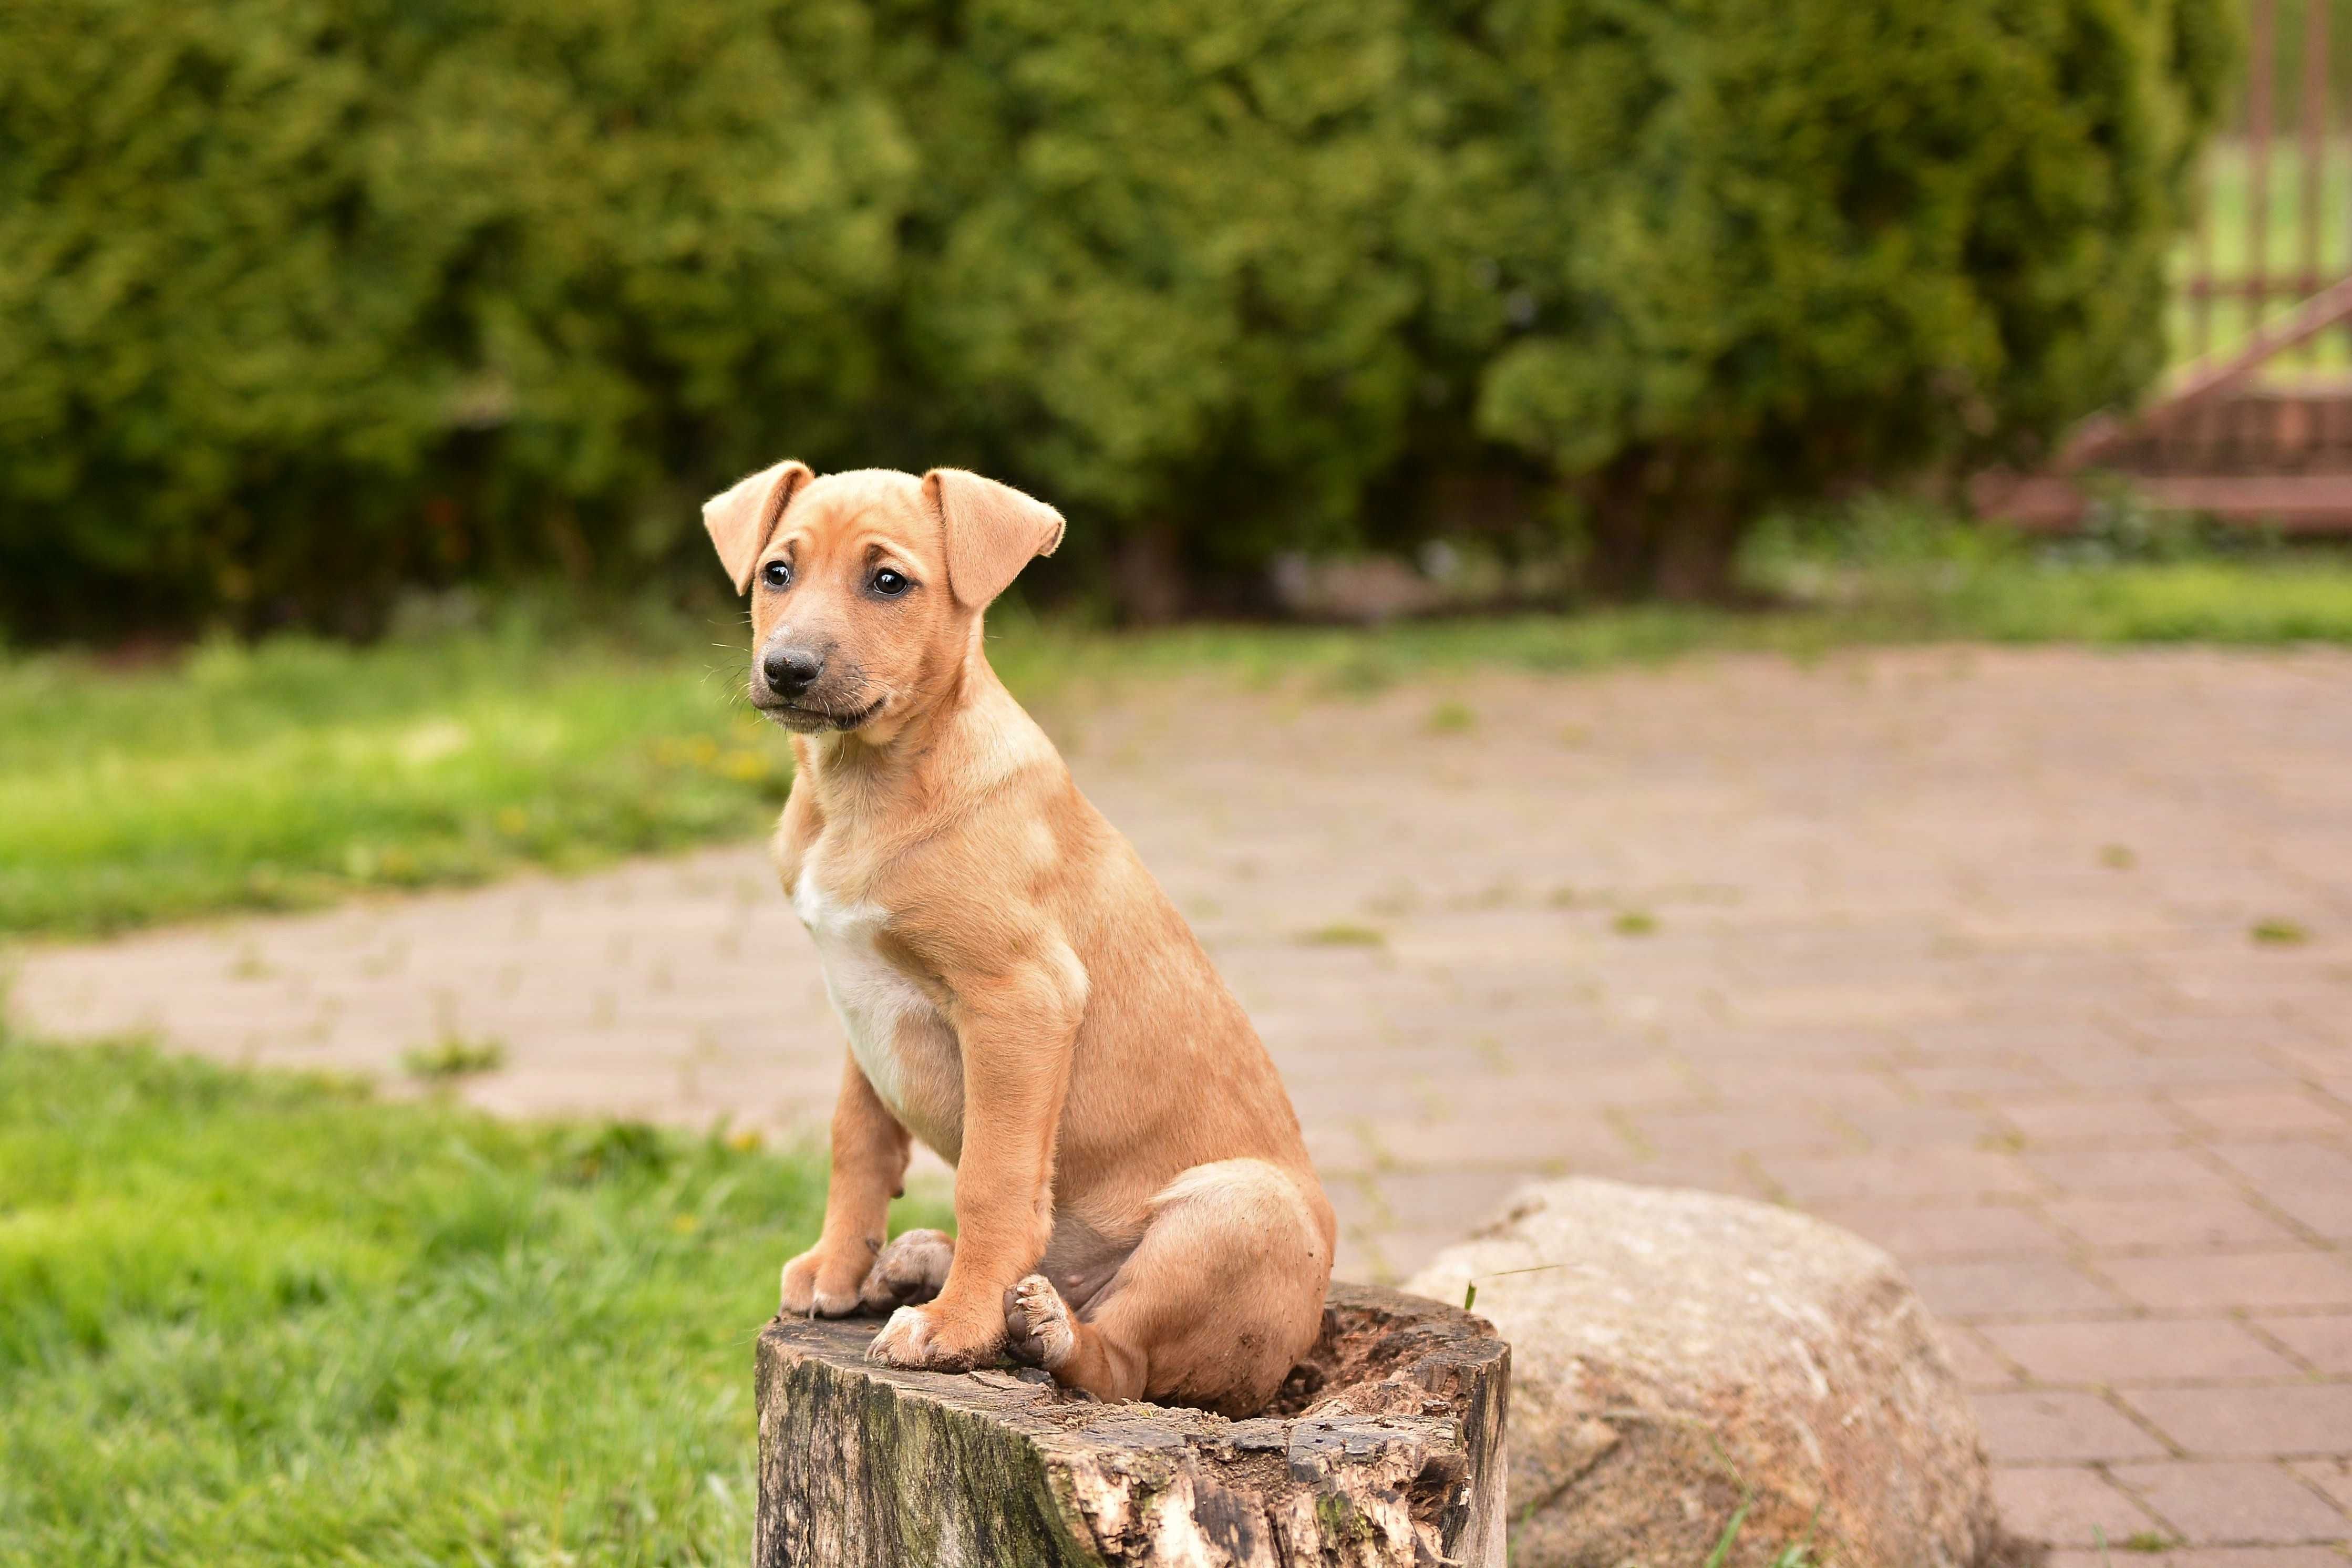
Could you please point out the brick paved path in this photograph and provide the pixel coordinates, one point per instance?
(1954, 947)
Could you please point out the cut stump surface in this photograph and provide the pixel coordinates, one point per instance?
(1385, 1447)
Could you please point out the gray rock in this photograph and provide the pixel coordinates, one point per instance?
(1679, 1356)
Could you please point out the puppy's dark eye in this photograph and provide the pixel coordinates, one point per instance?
(776, 574)
(889, 584)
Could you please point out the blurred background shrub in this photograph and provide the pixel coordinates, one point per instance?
(305, 301)
(303, 304)
(1758, 249)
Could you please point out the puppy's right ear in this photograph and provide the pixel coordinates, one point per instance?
(742, 518)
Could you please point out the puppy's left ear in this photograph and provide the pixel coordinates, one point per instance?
(991, 530)
(741, 518)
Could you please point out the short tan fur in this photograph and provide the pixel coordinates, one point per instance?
(1135, 1209)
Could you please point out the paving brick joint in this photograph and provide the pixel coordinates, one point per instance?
(1961, 948)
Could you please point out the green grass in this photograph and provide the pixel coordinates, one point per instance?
(297, 772)
(2279, 932)
(453, 1056)
(1344, 933)
(293, 771)
(261, 1318)
(1452, 717)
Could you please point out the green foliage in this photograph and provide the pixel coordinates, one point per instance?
(264, 1320)
(1759, 247)
(1168, 286)
(300, 305)
(303, 302)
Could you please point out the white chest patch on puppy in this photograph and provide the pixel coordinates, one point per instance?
(903, 1045)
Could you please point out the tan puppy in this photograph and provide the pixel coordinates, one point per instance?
(1134, 1206)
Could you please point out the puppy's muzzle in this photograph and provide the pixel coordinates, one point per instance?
(806, 688)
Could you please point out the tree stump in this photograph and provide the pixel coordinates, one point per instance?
(1384, 1449)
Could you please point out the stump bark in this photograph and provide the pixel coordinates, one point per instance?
(1384, 1449)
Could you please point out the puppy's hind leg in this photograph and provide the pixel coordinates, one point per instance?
(1220, 1298)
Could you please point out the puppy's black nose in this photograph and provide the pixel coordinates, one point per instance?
(792, 670)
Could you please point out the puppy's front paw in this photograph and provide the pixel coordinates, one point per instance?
(819, 1284)
(909, 1271)
(1039, 1322)
(916, 1337)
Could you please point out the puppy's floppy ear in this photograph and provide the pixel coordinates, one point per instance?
(742, 518)
(991, 531)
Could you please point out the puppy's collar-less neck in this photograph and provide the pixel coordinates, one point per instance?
(854, 762)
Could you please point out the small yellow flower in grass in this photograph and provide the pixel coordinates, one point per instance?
(1635, 922)
(2279, 932)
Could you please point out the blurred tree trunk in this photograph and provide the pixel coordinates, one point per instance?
(1149, 577)
(1656, 529)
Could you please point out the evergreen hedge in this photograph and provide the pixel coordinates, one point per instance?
(304, 300)
(1764, 246)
